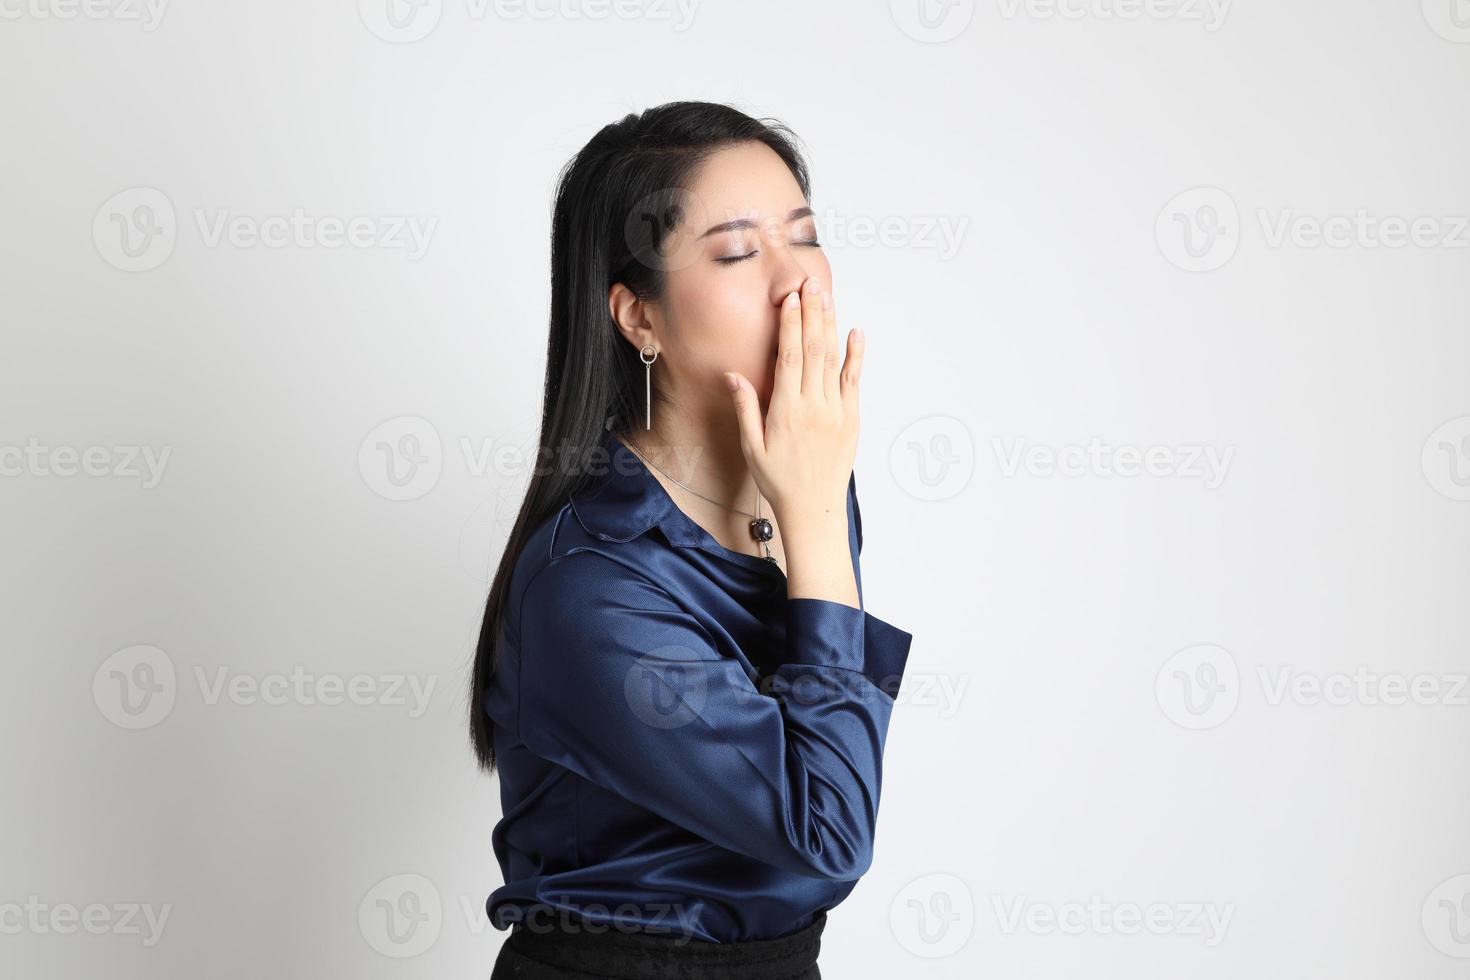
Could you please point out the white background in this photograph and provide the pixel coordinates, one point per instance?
(1118, 181)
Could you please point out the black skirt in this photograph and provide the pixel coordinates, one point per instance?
(568, 950)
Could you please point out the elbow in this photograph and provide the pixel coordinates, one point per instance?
(847, 867)
(843, 856)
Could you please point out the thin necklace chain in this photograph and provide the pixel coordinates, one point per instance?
(665, 472)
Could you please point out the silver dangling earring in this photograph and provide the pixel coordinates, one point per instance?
(644, 356)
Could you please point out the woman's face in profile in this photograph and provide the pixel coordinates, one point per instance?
(747, 239)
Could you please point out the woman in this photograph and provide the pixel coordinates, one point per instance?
(685, 697)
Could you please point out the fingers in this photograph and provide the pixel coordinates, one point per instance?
(853, 367)
(787, 383)
(831, 374)
(814, 349)
(747, 415)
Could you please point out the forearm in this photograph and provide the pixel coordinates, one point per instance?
(818, 556)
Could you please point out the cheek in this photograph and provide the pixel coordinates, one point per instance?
(722, 324)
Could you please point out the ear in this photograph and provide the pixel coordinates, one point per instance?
(631, 316)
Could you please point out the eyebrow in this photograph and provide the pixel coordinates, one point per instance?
(747, 223)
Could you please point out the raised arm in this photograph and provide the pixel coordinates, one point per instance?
(623, 686)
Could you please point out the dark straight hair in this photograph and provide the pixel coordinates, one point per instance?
(619, 202)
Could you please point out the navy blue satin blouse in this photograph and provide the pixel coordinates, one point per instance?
(681, 747)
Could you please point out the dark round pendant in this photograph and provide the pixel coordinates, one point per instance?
(761, 529)
(771, 559)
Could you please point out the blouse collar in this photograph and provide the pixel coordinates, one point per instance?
(629, 500)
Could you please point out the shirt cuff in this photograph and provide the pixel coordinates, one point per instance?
(826, 633)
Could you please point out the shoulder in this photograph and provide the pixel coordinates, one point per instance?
(564, 573)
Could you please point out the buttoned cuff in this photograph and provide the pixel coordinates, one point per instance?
(825, 633)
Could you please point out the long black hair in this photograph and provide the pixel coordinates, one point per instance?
(619, 201)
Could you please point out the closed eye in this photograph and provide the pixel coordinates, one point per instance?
(731, 260)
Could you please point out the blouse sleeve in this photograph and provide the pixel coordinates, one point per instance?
(623, 686)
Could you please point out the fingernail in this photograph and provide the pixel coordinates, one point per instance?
(732, 382)
(859, 335)
(792, 298)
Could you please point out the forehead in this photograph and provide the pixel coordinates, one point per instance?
(746, 180)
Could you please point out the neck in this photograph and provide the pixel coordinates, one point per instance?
(702, 453)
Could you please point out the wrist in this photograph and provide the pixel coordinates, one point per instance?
(812, 525)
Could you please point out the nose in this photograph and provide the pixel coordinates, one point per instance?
(789, 271)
